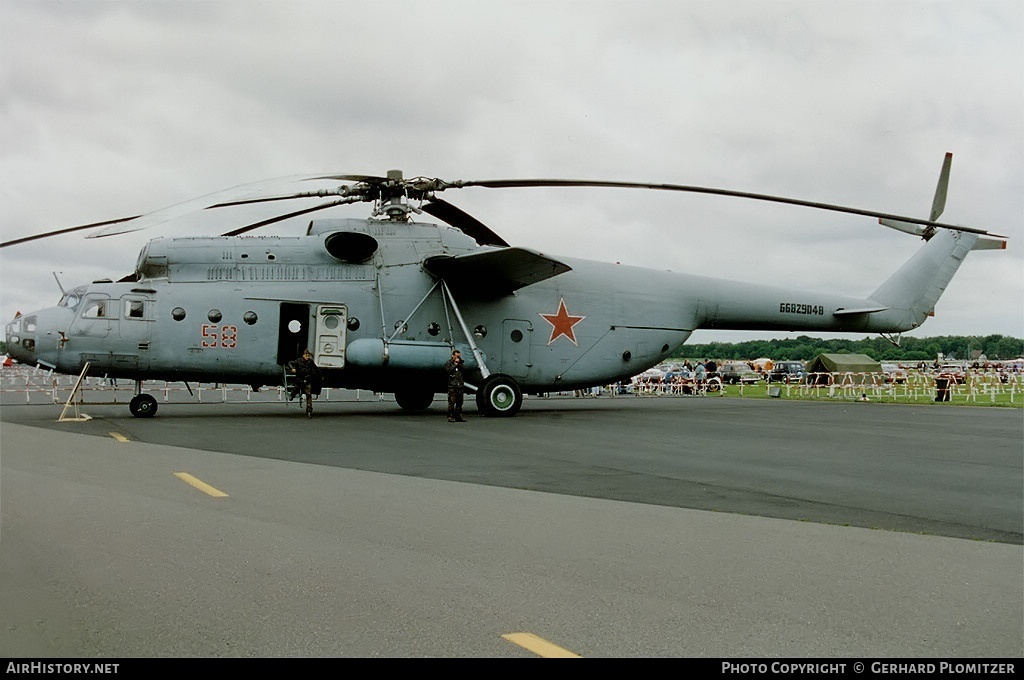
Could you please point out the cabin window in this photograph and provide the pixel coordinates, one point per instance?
(516, 335)
(434, 328)
(353, 323)
(95, 308)
(214, 315)
(250, 318)
(480, 331)
(134, 309)
(178, 313)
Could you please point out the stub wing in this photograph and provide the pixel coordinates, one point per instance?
(494, 273)
(858, 310)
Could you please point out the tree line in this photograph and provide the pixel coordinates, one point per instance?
(804, 348)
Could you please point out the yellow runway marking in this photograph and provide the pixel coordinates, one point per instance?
(202, 486)
(540, 646)
(119, 437)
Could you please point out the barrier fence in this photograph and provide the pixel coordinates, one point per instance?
(975, 387)
(39, 386)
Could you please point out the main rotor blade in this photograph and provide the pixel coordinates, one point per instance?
(279, 218)
(469, 225)
(517, 183)
(268, 199)
(237, 193)
(58, 232)
(303, 194)
(371, 179)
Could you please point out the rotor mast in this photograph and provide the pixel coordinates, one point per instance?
(393, 199)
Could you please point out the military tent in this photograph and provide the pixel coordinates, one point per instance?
(847, 369)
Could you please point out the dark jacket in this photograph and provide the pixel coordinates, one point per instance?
(306, 372)
(454, 372)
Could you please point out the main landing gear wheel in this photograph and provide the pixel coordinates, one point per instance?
(499, 396)
(142, 406)
(414, 400)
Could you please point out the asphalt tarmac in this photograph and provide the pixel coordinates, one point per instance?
(608, 527)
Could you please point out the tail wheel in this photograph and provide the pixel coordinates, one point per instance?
(142, 406)
(500, 396)
(414, 400)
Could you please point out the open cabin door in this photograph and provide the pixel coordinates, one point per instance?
(292, 332)
(331, 323)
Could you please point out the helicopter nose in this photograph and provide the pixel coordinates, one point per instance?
(20, 337)
(18, 346)
(34, 338)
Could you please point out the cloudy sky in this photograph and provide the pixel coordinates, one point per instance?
(110, 109)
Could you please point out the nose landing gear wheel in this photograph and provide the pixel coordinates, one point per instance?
(499, 396)
(142, 406)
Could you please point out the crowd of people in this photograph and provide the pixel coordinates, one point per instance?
(700, 377)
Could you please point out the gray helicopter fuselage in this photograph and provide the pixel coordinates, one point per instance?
(361, 293)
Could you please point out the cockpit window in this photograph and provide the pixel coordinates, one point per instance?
(72, 299)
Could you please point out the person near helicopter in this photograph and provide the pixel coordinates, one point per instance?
(454, 368)
(307, 379)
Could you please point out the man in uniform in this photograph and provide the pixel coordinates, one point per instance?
(306, 374)
(454, 368)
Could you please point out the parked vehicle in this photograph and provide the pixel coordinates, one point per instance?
(787, 372)
(953, 372)
(734, 373)
(894, 374)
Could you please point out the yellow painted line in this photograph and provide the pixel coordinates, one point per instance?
(119, 437)
(202, 486)
(540, 646)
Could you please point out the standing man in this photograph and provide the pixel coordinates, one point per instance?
(454, 368)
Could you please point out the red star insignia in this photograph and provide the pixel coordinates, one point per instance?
(562, 323)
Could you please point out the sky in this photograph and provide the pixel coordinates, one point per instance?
(111, 109)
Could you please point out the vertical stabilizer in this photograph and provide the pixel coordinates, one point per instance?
(911, 293)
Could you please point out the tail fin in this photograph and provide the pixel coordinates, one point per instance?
(911, 293)
(938, 205)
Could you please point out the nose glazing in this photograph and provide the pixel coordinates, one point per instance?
(21, 338)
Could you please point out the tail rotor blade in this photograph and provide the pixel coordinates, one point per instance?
(939, 203)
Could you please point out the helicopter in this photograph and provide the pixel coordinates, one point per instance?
(382, 301)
